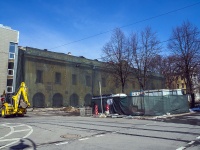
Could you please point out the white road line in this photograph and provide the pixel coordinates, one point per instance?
(31, 131)
(191, 142)
(14, 139)
(61, 143)
(10, 124)
(12, 131)
(99, 135)
(18, 125)
(198, 137)
(9, 144)
(83, 139)
(30, 149)
(22, 130)
(181, 148)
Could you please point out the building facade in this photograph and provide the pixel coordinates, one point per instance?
(179, 83)
(9, 39)
(58, 79)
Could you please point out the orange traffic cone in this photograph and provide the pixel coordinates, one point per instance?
(107, 108)
(96, 109)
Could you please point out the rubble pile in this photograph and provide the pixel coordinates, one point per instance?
(71, 110)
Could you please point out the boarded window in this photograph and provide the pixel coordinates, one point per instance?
(39, 76)
(58, 77)
(88, 81)
(74, 79)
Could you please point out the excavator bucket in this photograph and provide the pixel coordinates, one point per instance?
(22, 104)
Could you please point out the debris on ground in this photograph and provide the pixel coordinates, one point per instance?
(71, 110)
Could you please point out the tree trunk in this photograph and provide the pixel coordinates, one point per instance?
(122, 88)
(192, 104)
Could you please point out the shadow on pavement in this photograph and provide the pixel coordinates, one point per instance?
(21, 145)
(193, 119)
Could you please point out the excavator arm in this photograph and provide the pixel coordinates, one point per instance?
(20, 99)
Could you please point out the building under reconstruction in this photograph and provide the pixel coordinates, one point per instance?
(59, 79)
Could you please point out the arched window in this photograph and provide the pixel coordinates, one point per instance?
(57, 100)
(74, 100)
(39, 100)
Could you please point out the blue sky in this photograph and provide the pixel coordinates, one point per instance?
(57, 24)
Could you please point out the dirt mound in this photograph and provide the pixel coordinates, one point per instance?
(71, 110)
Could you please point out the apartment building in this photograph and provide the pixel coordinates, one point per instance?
(9, 39)
(179, 83)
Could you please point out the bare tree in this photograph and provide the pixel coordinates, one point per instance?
(144, 47)
(156, 65)
(169, 70)
(118, 57)
(185, 44)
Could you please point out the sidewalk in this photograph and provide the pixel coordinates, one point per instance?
(76, 112)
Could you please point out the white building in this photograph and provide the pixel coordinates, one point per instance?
(9, 39)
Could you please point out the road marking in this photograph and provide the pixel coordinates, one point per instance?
(18, 125)
(11, 131)
(30, 149)
(198, 137)
(15, 140)
(191, 142)
(21, 130)
(83, 139)
(100, 135)
(61, 143)
(181, 148)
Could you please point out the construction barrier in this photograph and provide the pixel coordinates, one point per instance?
(107, 108)
(87, 111)
(96, 110)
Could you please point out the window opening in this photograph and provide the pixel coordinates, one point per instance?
(39, 76)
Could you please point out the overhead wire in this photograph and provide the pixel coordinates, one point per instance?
(141, 47)
(150, 18)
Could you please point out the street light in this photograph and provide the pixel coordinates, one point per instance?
(101, 97)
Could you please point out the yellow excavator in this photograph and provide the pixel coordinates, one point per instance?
(18, 104)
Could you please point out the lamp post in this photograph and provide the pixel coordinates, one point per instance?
(101, 97)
